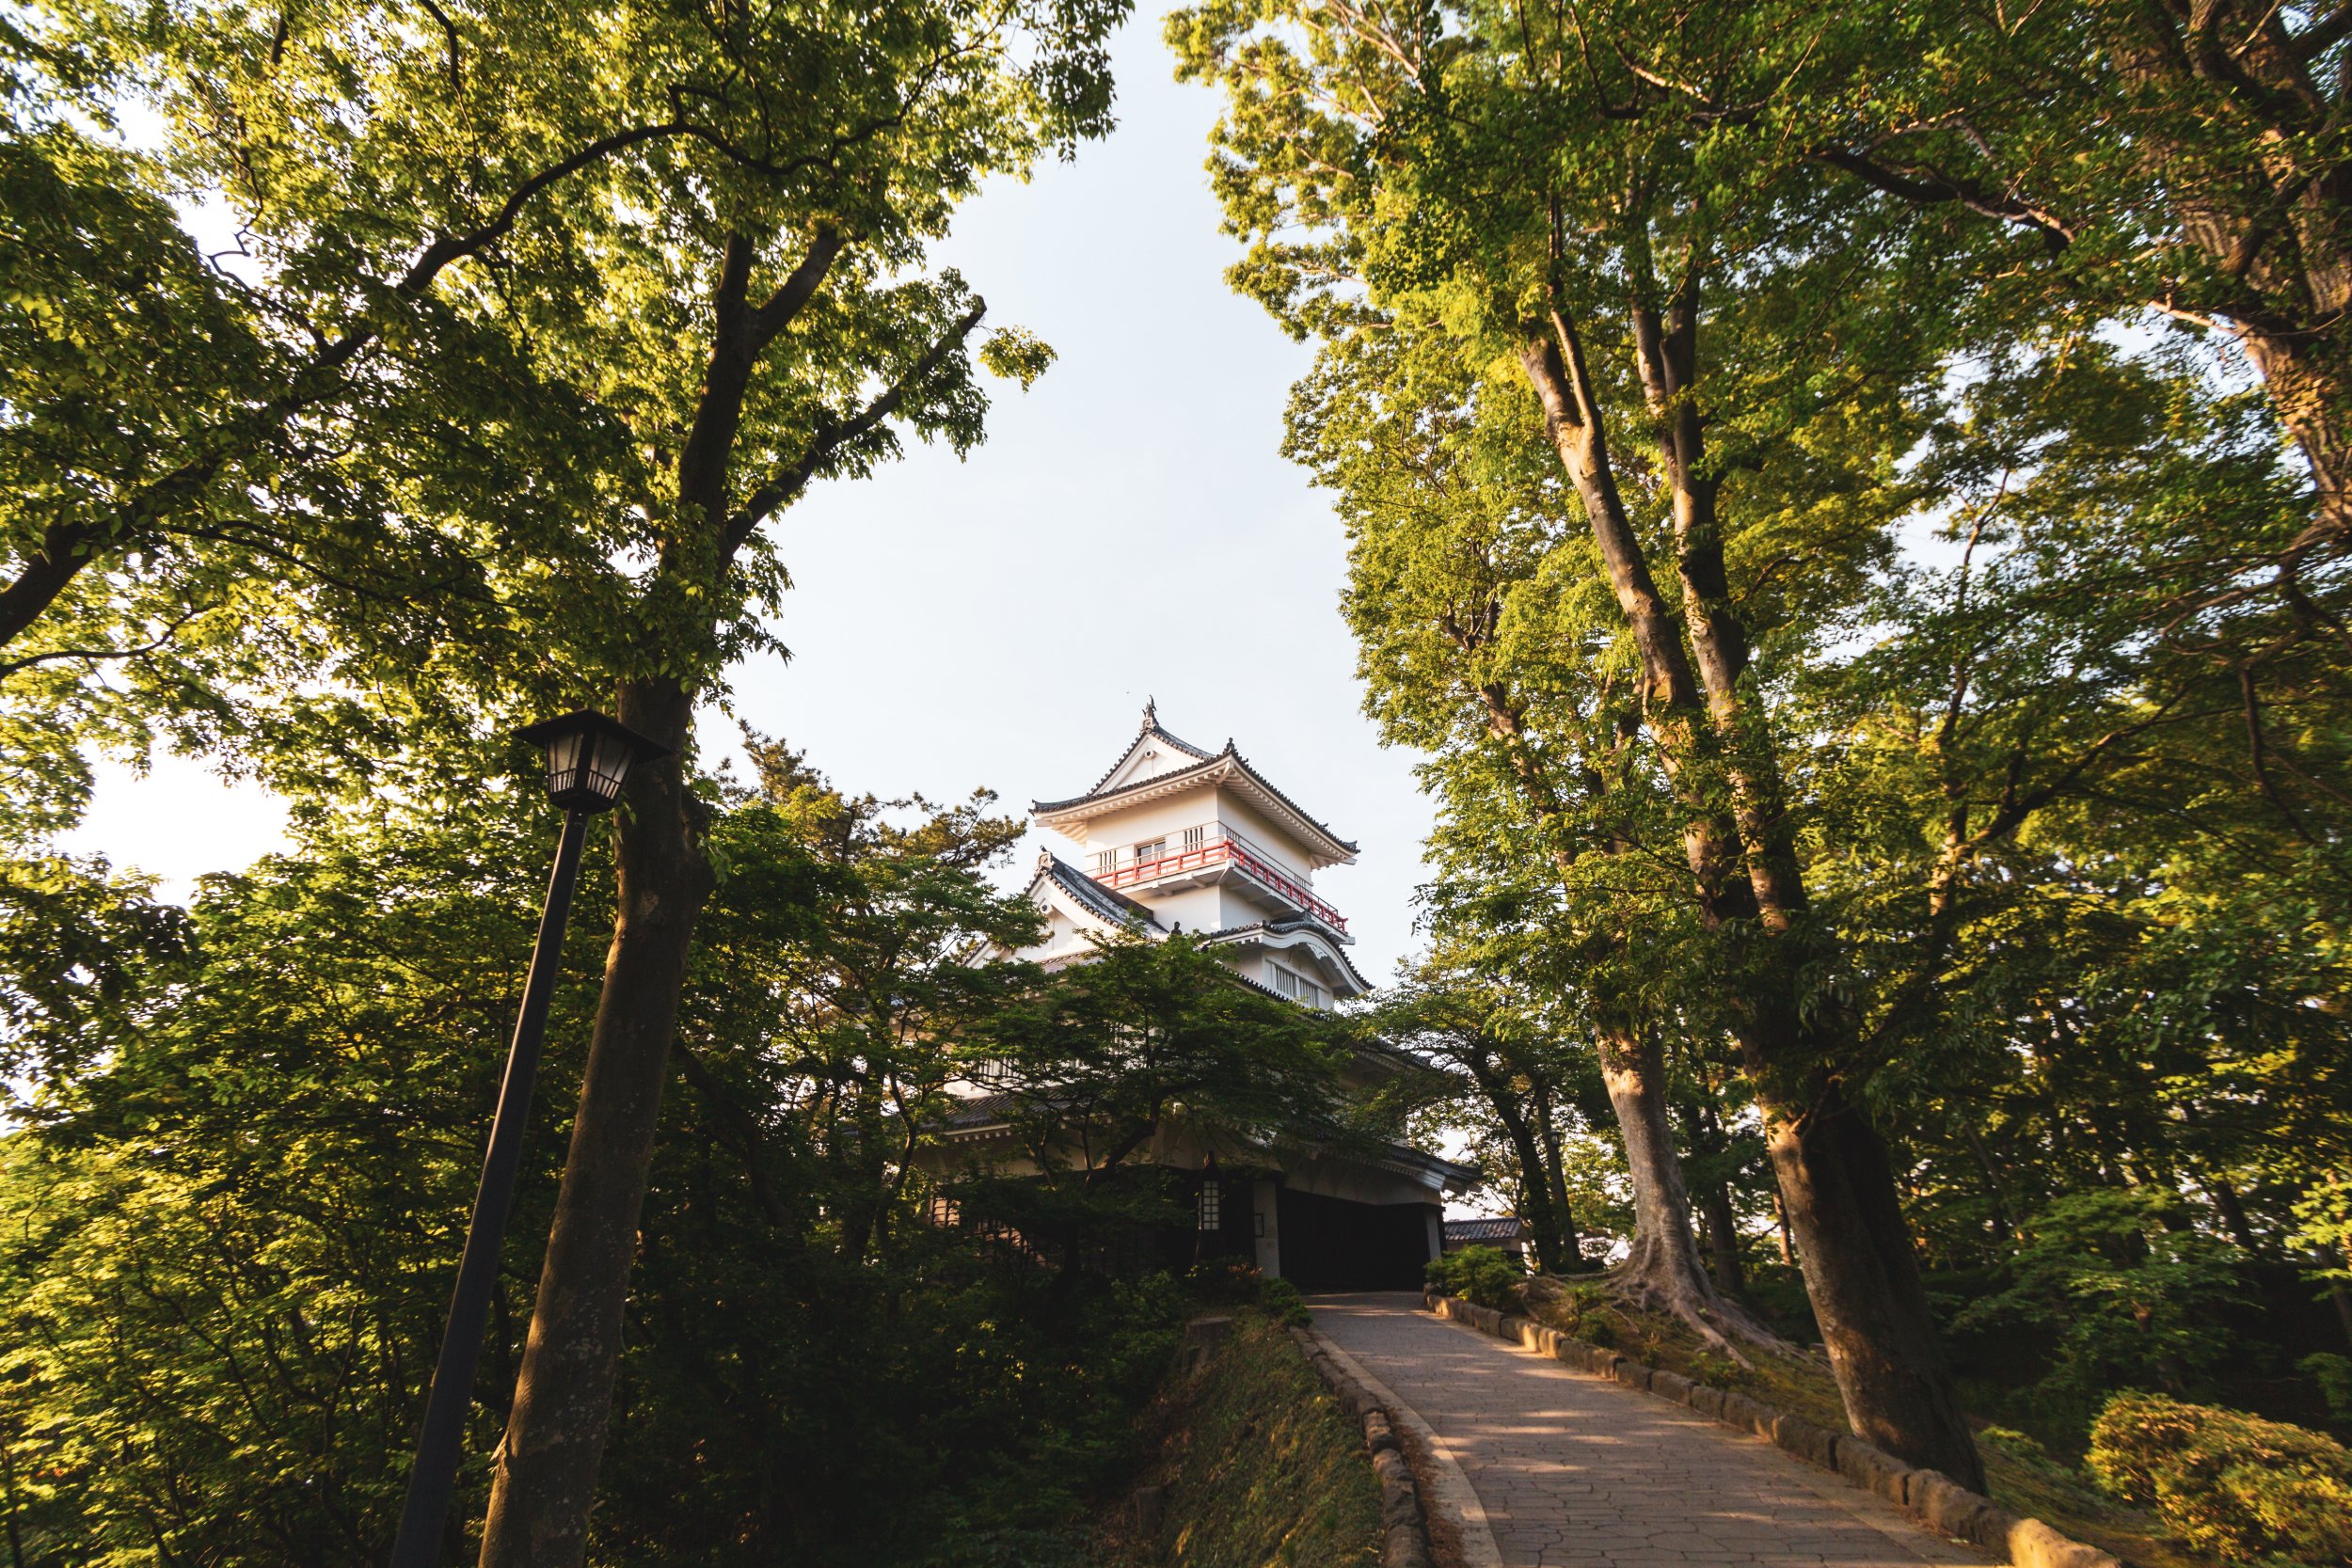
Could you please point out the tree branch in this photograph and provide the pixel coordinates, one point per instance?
(832, 435)
(1927, 186)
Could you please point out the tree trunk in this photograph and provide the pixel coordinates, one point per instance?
(1664, 1266)
(1858, 1266)
(1718, 1223)
(1556, 1183)
(1534, 1195)
(1863, 1279)
(2004, 1223)
(1722, 1234)
(546, 1474)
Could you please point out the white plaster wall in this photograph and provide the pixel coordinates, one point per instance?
(1124, 829)
(1168, 760)
(1264, 1203)
(1199, 908)
(1240, 903)
(1253, 826)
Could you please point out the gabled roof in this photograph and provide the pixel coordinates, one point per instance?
(1226, 767)
(1284, 927)
(1149, 731)
(1106, 904)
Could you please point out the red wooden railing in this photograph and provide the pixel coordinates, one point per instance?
(1224, 847)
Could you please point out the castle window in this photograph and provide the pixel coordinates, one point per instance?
(1295, 986)
(1193, 837)
(1105, 862)
(1212, 1216)
(1151, 852)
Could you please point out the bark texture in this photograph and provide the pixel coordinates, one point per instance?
(1662, 1266)
(546, 1466)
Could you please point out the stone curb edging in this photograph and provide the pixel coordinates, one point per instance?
(1403, 1531)
(1930, 1497)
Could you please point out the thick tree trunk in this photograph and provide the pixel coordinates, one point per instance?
(1863, 1280)
(546, 1466)
(2269, 215)
(1664, 1260)
(1855, 1249)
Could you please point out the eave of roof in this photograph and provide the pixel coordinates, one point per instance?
(1452, 1175)
(1224, 764)
(1107, 903)
(1485, 1229)
(1227, 934)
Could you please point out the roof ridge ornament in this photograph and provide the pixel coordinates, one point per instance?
(1150, 713)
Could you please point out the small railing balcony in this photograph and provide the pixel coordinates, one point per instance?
(1210, 845)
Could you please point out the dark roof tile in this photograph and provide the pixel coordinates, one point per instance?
(1109, 903)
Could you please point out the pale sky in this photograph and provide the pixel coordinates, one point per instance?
(1128, 530)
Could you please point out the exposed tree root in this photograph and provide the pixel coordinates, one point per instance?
(1723, 1324)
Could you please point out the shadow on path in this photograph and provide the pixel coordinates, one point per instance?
(1573, 1470)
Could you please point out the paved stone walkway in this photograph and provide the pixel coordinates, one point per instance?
(1576, 1471)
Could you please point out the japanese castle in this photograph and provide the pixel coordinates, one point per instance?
(1173, 838)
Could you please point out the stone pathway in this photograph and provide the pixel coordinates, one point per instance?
(1573, 1470)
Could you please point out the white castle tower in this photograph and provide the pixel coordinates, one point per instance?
(1173, 837)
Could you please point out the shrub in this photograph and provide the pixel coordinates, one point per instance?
(2231, 1484)
(2113, 1296)
(2333, 1373)
(1482, 1274)
(1281, 1300)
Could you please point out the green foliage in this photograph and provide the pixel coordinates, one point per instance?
(1280, 1300)
(2245, 1489)
(2333, 1373)
(1265, 1467)
(2114, 1296)
(1484, 1275)
(414, 458)
(2008, 575)
(230, 1220)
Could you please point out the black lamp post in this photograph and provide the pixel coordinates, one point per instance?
(589, 757)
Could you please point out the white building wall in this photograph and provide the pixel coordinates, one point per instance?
(1124, 829)
(1200, 909)
(1245, 819)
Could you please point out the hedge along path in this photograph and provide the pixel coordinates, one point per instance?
(1570, 1467)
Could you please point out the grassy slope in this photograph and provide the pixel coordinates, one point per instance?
(1261, 1467)
(1801, 1386)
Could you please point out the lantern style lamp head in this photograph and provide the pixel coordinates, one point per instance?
(589, 757)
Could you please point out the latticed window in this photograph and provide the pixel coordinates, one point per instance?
(1212, 1214)
(1105, 862)
(1195, 837)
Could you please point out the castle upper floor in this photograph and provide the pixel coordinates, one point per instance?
(1180, 838)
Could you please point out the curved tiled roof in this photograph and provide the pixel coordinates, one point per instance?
(1283, 928)
(1182, 775)
(1108, 903)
